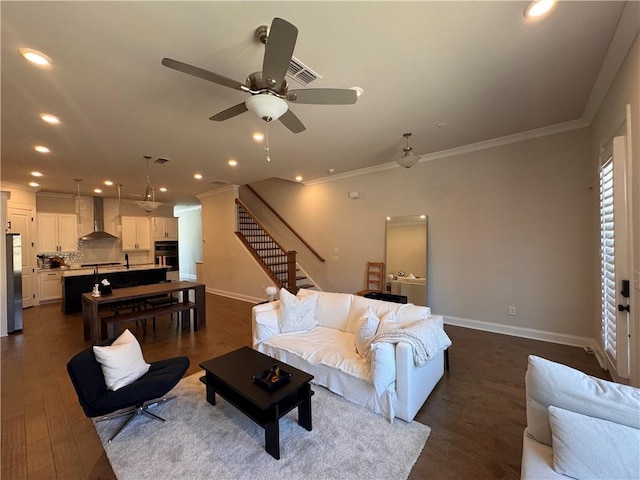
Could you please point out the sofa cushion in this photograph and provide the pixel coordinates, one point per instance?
(297, 314)
(332, 309)
(409, 313)
(586, 447)
(360, 306)
(122, 362)
(325, 346)
(366, 328)
(549, 383)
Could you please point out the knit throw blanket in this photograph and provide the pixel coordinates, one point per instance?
(426, 338)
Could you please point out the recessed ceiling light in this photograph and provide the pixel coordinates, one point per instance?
(331, 170)
(163, 189)
(97, 190)
(34, 184)
(538, 8)
(41, 149)
(35, 57)
(198, 176)
(108, 183)
(299, 178)
(258, 137)
(36, 174)
(52, 119)
(232, 162)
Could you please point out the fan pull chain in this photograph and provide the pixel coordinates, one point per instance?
(266, 142)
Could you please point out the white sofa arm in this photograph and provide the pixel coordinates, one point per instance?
(414, 384)
(264, 321)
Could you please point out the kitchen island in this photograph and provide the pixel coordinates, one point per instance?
(75, 282)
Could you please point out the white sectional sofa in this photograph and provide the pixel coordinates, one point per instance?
(317, 332)
(579, 426)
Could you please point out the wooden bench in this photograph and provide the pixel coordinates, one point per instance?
(111, 325)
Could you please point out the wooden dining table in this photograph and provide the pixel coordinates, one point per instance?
(91, 305)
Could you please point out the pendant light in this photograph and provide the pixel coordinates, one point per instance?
(149, 203)
(77, 204)
(408, 159)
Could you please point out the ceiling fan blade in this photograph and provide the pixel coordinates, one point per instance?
(292, 122)
(278, 52)
(323, 96)
(229, 112)
(204, 74)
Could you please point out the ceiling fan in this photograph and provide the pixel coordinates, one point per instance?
(268, 88)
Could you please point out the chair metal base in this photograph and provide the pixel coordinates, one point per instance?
(133, 413)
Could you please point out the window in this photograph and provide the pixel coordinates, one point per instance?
(613, 255)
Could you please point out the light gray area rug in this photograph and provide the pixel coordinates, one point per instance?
(202, 441)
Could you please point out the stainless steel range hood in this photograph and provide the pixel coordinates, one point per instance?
(98, 223)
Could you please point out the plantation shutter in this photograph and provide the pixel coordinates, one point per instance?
(607, 258)
(614, 255)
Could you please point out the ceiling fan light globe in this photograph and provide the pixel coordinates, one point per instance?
(407, 160)
(267, 107)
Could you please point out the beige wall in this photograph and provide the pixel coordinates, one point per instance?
(227, 268)
(510, 225)
(625, 90)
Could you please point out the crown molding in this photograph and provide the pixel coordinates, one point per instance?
(622, 41)
(465, 149)
(219, 191)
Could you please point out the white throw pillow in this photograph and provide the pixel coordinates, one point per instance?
(383, 366)
(366, 328)
(550, 383)
(297, 314)
(122, 362)
(586, 447)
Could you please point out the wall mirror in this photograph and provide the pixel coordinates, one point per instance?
(406, 257)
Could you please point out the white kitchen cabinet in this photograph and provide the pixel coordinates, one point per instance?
(50, 286)
(136, 233)
(57, 232)
(165, 228)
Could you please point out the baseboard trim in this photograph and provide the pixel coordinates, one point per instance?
(188, 277)
(236, 296)
(542, 335)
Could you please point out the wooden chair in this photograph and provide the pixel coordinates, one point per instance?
(374, 278)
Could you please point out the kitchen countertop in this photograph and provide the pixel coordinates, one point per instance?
(73, 272)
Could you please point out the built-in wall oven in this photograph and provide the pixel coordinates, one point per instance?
(166, 252)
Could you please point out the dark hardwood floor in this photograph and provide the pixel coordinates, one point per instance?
(476, 413)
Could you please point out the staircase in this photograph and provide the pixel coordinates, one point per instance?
(276, 261)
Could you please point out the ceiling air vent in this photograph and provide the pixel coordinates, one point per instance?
(219, 182)
(301, 73)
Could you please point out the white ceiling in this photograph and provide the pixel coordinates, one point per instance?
(480, 68)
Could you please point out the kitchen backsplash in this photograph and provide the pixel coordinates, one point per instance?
(100, 251)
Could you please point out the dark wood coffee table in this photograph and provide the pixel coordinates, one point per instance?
(231, 377)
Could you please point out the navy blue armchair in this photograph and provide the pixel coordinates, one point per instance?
(96, 400)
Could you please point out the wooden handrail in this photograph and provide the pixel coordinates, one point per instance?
(318, 256)
(259, 223)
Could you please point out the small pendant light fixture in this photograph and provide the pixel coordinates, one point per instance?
(149, 203)
(407, 159)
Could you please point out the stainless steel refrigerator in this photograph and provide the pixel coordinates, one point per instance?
(14, 282)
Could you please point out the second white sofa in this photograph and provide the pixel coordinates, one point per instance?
(393, 378)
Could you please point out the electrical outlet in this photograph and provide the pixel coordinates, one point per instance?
(512, 311)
